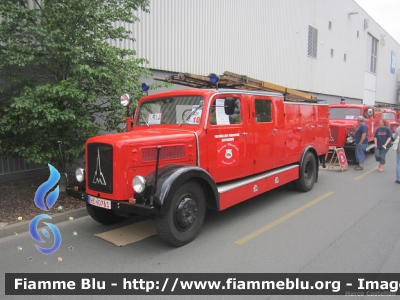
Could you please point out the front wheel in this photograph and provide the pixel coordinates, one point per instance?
(185, 215)
(308, 173)
(103, 216)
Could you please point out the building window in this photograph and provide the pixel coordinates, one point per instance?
(371, 54)
(312, 41)
(345, 57)
(330, 25)
(332, 52)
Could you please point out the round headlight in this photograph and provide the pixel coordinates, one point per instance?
(138, 183)
(80, 174)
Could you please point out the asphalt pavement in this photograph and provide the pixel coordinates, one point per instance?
(348, 223)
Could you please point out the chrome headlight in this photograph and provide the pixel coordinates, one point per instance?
(138, 184)
(350, 139)
(80, 174)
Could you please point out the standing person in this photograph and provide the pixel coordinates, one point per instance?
(382, 138)
(397, 134)
(361, 140)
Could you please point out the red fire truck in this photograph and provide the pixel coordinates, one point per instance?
(210, 147)
(392, 115)
(343, 124)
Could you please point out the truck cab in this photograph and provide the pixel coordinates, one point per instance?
(392, 118)
(343, 124)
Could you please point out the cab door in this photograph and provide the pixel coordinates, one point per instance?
(227, 139)
(264, 134)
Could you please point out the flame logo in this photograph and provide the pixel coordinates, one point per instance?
(39, 202)
(35, 235)
(45, 187)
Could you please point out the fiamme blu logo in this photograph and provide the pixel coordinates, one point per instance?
(45, 203)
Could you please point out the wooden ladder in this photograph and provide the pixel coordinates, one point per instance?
(232, 80)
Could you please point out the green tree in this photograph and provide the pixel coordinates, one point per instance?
(60, 79)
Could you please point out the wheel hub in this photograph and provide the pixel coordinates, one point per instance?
(186, 213)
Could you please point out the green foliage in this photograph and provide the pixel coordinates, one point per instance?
(60, 79)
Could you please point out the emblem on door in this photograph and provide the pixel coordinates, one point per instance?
(228, 153)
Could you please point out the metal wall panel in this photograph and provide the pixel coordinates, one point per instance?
(266, 39)
(262, 39)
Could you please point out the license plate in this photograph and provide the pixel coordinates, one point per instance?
(100, 202)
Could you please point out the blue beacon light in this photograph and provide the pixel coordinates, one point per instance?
(145, 87)
(214, 78)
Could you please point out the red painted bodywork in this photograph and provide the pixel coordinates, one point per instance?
(258, 147)
(392, 117)
(341, 127)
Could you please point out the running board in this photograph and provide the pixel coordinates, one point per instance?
(236, 191)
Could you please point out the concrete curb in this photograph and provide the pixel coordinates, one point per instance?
(22, 227)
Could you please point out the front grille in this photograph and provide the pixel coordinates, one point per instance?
(100, 167)
(333, 139)
(167, 152)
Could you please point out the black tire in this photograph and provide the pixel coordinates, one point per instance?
(103, 216)
(351, 158)
(186, 209)
(308, 173)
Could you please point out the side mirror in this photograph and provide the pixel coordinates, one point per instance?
(229, 106)
(125, 100)
(369, 112)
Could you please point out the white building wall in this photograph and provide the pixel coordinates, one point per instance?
(267, 40)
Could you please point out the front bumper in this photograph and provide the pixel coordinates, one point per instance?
(119, 207)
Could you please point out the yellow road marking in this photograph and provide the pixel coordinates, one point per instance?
(280, 220)
(365, 174)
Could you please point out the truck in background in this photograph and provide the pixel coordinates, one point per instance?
(343, 124)
(391, 114)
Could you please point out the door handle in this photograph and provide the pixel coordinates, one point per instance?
(275, 130)
(244, 133)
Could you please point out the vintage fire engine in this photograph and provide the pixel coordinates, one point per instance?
(392, 116)
(343, 124)
(225, 141)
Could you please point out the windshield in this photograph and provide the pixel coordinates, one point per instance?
(347, 113)
(388, 116)
(171, 111)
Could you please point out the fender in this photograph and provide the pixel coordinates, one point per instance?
(314, 152)
(170, 177)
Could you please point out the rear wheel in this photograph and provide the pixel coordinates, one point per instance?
(103, 216)
(185, 215)
(308, 173)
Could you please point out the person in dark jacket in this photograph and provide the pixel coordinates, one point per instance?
(397, 149)
(382, 138)
(361, 140)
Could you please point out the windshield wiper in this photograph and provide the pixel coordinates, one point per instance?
(191, 114)
(141, 116)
